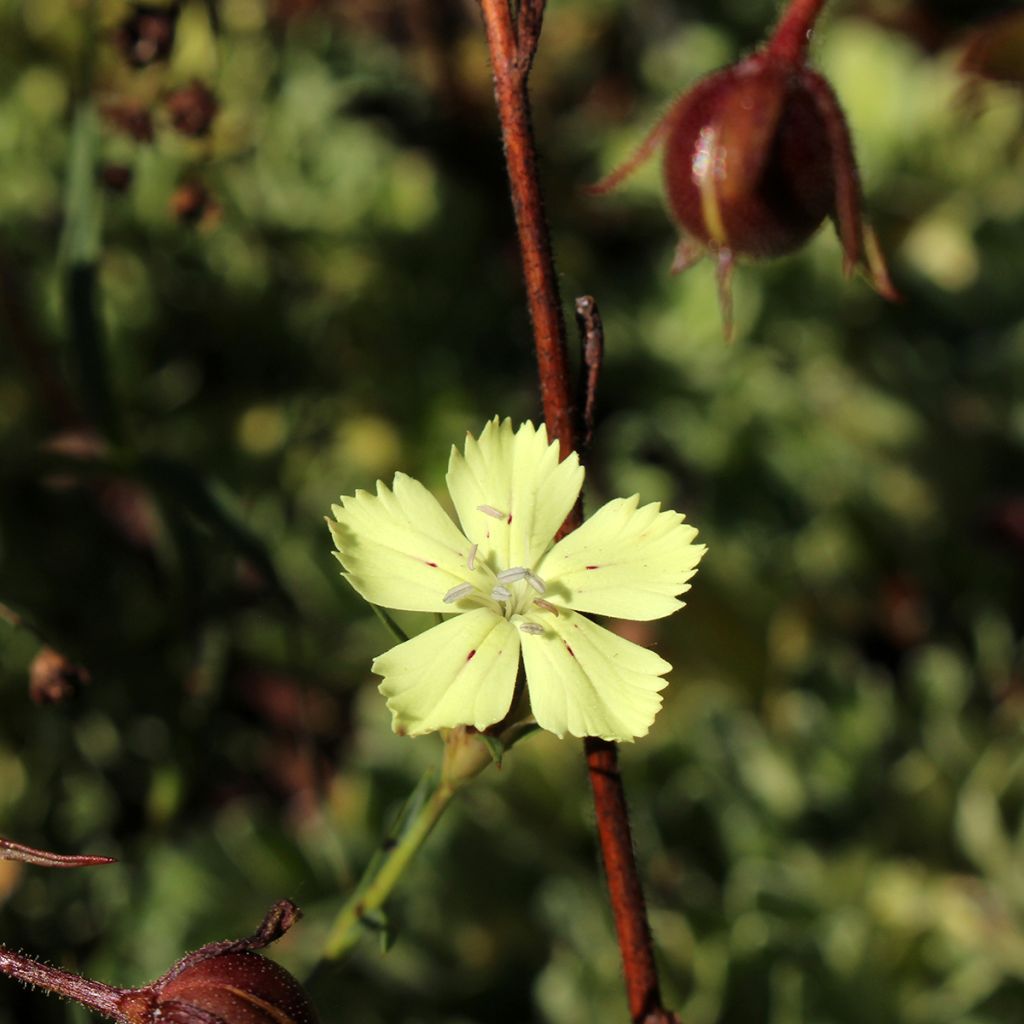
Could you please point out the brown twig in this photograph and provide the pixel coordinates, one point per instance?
(104, 999)
(592, 343)
(512, 47)
(10, 850)
(792, 35)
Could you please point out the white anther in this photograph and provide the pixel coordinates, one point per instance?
(490, 510)
(500, 593)
(471, 557)
(458, 593)
(513, 575)
(533, 628)
(546, 605)
(536, 582)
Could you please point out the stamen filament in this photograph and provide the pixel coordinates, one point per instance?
(500, 593)
(457, 593)
(536, 582)
(490, 510)
(471, 557)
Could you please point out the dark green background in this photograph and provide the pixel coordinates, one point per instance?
(828, 809)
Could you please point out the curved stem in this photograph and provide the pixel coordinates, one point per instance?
(95, 995)
(792, 35)
(364, 908)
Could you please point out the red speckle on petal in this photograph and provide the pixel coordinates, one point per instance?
(591, 567)
(509, 520)
(569, 649)
(433, 565)
(469, 657)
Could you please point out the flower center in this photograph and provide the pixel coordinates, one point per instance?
(509, 592)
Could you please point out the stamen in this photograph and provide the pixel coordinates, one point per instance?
(490, 510)
(500, 593)
(471, 557)
(458, 593)
(533, 628)
(546, 605)
(536, 582)
(513, 575)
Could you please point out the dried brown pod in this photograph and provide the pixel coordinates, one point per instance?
(193, 203)
(192, 109)
(53, 678)
(147, 34)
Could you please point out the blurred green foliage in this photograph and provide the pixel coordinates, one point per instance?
(829, 808)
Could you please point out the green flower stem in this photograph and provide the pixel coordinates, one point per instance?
(389, 623)
(364, 907)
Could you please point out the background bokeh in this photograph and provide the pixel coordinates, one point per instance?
(325, 289)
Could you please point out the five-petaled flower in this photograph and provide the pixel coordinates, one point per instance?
(507, 588)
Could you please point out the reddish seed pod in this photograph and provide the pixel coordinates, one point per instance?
(756, 156)
(748, 166)
(226, 983)
(222, 983)
(225, 988)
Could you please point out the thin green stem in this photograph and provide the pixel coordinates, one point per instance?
(364, 908)
(389, 623)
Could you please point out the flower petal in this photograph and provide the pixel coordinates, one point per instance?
(624, 561)
(462, 672)
(585, 680)
(399, 548)
(527, 492)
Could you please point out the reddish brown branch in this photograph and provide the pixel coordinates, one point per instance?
(511, 55)
(592, 337)
(512, 47)
(792, 35)
(10, 850)
(102, 998)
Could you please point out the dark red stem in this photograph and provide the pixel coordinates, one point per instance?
(512, 46)
(10, 850)
(94, 994)
(792, 35)
(511, 56)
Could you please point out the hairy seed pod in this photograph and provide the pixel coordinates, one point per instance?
(222, 983)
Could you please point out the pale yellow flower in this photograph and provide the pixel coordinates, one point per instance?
(508, 590)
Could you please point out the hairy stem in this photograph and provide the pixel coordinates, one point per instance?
(94, 994)
(792, 35)
(512, 54)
